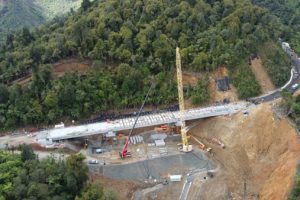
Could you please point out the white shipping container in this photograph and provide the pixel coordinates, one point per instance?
(175, 178)
(159, 143)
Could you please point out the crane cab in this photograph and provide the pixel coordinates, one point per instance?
(187, 148)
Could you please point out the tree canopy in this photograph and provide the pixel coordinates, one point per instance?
(25, 177)
(129, 41)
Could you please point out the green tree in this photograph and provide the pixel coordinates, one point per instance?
(26, 37)
(200, 94)
(85, 4)
(27, 153)
(163, 48)
(10, 165)
(4, 94)
(201, 61)
(77, 172)
(93, 191)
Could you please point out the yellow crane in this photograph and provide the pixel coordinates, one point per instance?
(186, 147)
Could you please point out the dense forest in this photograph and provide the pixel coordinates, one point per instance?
(288, 11)
(15, 14)
(23, 176)
(128, 42)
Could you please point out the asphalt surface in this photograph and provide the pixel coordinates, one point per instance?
(189, 181)
(277, 93)
(141, 170)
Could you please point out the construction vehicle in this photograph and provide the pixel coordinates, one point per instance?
(201, 145)
(186, 147)
(162, 129)
(125, 153)
(218, 142)
(166, 128)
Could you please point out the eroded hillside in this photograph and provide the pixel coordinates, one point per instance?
(262, 151)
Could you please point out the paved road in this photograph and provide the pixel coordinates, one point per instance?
(294, 79)
(189, 181)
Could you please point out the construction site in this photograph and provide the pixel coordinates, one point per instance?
(228, 151)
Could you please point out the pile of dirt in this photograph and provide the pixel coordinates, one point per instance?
(261, 155)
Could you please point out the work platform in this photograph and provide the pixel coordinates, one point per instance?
(143, 121)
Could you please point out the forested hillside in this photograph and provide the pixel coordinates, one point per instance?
(23, 176)
(129, 41)
(289, 13)
(16, 14)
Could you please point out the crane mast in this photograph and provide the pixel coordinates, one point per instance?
(186, 147)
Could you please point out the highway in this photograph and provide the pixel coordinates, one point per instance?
(293, 80)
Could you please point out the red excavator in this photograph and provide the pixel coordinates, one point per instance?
(125, 153)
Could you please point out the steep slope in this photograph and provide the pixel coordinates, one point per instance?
(128, 42)
(53, 8)
(289, 14)
(16, 14)
(262, 151)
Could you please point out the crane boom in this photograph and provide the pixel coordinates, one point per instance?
(124, 153)
(185, 144)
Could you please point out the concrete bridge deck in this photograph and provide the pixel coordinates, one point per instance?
(144, 121)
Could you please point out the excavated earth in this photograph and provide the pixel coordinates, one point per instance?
(259, 161)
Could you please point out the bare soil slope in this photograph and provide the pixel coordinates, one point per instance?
(60, 68)
(261, 75)
(262, 151)
(70, 65)
(219, 96)
(123, 189)
(189, 78)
